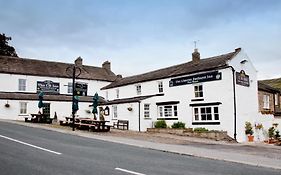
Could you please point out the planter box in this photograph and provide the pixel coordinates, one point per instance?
(215, 135)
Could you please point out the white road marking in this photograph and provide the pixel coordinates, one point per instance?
(37, 147)
(128, 171)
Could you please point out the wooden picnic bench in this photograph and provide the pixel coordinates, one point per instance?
(92, 125)
(38, 118)
(121, 124)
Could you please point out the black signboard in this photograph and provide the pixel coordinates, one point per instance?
(242, 79)
(210, 76)
(81, 89)
(48, 87)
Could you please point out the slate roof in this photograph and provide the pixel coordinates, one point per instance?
(15, 65)
(177, 70)
(129, 100)
(264, 87)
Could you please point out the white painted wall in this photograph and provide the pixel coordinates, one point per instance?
(11, 83)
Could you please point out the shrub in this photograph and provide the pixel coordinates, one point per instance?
(248, 128)
(178, 125)
(160, 124)
(271, 131)
(200, 129)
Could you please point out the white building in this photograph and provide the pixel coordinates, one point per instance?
(22, 78)
(218, 93)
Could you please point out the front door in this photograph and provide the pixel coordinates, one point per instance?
(46, 110)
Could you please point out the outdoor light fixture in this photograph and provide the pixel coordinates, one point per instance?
(73, 71)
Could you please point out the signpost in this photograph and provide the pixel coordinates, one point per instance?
(48, 87)
(242, 79)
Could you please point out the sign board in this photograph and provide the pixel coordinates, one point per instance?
(242, 79)
(81, 89)
(48, 87)
(204, 77)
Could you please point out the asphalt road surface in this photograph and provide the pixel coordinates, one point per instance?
(25, 150)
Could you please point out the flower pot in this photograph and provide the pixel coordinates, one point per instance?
(250, 138)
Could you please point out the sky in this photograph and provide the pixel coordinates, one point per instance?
(138, 36)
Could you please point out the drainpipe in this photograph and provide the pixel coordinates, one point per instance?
(234, 102)
(139, 115)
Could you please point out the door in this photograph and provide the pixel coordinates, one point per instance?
(46, 110)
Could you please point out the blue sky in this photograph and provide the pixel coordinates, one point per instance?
(137, 36)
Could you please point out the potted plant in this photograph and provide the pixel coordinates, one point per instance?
(271, 131)
(249, 131)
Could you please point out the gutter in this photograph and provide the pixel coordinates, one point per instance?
(139, 115)
(234, 102)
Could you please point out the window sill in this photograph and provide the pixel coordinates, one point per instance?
(167, 118)
(146, 118)
(206, 123)
(197, 99)
(23, 115)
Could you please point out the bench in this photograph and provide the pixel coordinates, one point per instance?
(122, 124)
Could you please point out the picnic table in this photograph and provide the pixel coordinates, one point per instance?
(92, 124)
(39, 118)
(68, 121)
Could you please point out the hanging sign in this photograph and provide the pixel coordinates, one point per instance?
(242, 79)
(81, 89)
(210, 76)
(48, 87)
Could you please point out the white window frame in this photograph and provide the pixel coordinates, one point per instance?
(205, 114)
(198, 91)
(22, 84)
(266, 101)
(138, 88)
(117, 93)
(23, 107)
(168, 111)
(115, 112)
(146, 110)
(69, 87)
(160, 87)
(276, 100)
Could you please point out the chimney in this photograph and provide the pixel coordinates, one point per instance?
(78, 62)
(196, 56)
(106, 65)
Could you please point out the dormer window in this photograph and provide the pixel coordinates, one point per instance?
(22, 84)
(160, 86)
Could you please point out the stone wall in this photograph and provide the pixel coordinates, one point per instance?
(214, 135)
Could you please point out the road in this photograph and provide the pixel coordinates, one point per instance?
(25, 150)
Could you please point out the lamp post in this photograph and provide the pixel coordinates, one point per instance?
(74, 71)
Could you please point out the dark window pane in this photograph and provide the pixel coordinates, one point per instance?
(196, 117)
(200, 94)
(208, 109)
(216, 116)
(216, 110)
(203, 117)
(196, 110)
(209, 116)
(200, 88)
(203, 110)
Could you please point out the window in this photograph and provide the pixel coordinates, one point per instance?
(117, 93)
(69, 88)
(23, 107)
(276, 100)
(266, 101)
(198, 91)
(168, 111)
(160, 86)
(138, 89)
(146, 111)
(22, 84)
(106, 95)
(206, 114)
(115, 111)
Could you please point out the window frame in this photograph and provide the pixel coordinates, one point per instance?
(115, 112)
(205, 114)
(117, 93)
(266, 101)
(160, 87)
(198, 91)
(146, 110)
(22, 84)
(167, 111)
(23, 108)
(69, 88)
(138, 89)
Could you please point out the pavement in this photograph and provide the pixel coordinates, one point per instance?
(256, 154)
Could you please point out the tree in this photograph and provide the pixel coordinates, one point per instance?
(5, 49)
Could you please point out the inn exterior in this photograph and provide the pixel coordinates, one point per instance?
(22, 78)
(218, 93)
